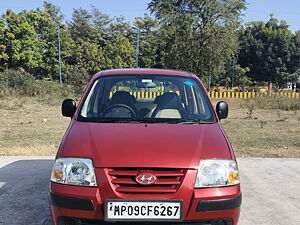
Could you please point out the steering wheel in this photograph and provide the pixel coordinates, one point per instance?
(109, 109)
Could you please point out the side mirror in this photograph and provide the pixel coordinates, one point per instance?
(222, 110)
(68, 107)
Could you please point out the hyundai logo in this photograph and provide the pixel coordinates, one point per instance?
(145, 178)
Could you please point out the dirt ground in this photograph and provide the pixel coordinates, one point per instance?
(34, 126)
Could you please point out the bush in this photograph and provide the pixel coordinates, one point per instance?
(76, 76)
(275, 102)
(45, 88)
(23, 83)
(250, 105)
(3, 85)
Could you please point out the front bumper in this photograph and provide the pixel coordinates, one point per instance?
(85, 205)
(76, 221)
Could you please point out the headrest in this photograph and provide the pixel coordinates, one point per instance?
(169, 100)
(122, 97)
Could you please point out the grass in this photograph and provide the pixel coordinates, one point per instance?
(34, 126)
(267, 133)
(31, 126)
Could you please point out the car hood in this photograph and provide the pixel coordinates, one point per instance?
(145, 145)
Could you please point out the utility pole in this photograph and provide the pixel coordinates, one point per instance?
(137, 48)
(232, 80)
(59, 56)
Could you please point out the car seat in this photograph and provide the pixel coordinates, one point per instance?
(169, 105)
(123, 98)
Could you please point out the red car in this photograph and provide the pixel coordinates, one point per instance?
(145, 146)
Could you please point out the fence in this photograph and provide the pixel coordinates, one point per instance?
(144, 94)
(212, 94)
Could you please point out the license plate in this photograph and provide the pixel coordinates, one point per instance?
(138, 210)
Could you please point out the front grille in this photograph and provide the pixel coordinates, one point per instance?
(168, 180)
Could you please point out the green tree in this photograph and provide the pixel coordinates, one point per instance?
(119, 27)
(101, 24)
(295, 58)
(46, 34)
(149, 42)
(101, 42)
(240, 76)
(31, 40)
(3, 54)
(269, 51)
(89, 56)
(119, 53)
(80, 26)
(198, 36)
(86, 31)
(54, 12)
(22, 41)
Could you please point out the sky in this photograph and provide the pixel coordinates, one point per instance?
(287, 10)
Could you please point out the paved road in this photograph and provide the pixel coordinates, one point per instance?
(270, 188)
(23, 190)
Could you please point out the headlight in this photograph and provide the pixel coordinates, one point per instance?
(217, 173)
(74, 171)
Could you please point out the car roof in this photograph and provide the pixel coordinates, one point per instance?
(144, 71)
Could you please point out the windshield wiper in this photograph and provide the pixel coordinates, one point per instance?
(152, 120)
(195, 121)
(158, 120)
(176, 121)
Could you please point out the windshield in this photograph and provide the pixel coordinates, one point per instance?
(146, 98)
